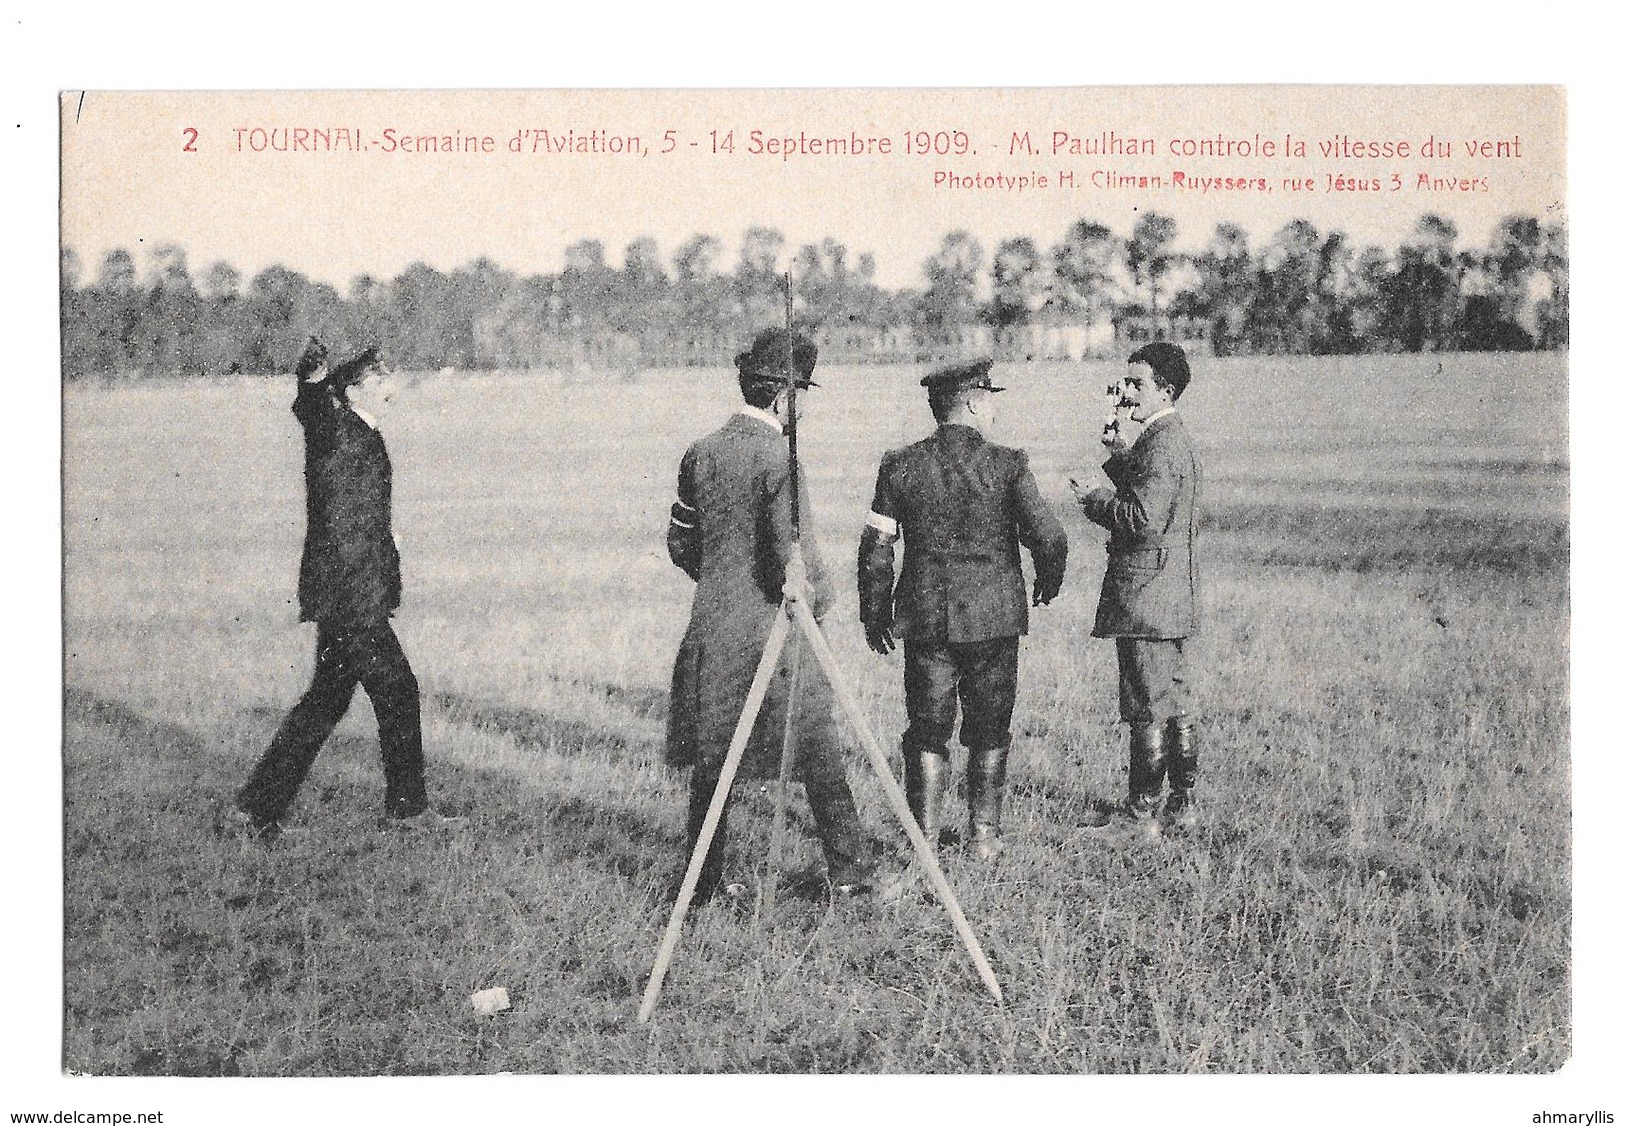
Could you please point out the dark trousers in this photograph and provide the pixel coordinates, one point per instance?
(1154, 682)
(819, 767)
(370, 656)
(941, 680)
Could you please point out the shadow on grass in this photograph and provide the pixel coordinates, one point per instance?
(168, 924)
(393, 921)
(589, 828)
(643, 701)
(140, 734)
(536, 730)
(625, 841)
(1365, 539)
(631, 844)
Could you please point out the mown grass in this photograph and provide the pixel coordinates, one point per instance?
(1380, 882)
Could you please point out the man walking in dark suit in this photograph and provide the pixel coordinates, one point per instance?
(1149, 598)
(731, 531)
(963, 507)
(349, 585)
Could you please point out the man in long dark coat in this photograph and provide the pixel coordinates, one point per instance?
(731, 532)
(349, 585)
(963, 507)
(1149, 600)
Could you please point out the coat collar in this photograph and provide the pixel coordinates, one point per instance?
(1161, 422)
(754, 420)
(958, 434)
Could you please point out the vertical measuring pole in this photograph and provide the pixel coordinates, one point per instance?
(787, 755)
(790, 427)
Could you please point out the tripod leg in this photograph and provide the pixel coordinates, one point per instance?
(787, 765)
(939, 882)
(730, 764)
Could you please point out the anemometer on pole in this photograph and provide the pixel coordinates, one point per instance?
(794, 611)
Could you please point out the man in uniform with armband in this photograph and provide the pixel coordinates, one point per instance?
(963, 507)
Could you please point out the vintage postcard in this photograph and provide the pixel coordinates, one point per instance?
(998, 581)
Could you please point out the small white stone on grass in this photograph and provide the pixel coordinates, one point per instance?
(490, 1002)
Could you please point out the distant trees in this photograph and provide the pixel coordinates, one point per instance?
(1301, 290)
(1147, 255)
(1085, 270)
(1225, 287)
(1019, 282)
(952, 279)
(1503, 288)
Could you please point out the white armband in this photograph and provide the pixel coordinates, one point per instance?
(885, 525)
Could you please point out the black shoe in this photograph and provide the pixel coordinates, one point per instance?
(852, 880)
(1179, 811)
(904, 883)
(426, 820)
(236, 822)
(723, 894)
(1131, 815)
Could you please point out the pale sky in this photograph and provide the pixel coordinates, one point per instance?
(128, 179)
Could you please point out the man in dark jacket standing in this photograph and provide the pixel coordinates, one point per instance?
(731, 531)
(963, 507)
(1149, 596)
(349, 585)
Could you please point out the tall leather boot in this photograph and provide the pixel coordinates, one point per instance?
(1179, 811)
(1147, 764)
(925, 782)
(984, 774)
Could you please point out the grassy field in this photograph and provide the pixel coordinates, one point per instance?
(1380, 882)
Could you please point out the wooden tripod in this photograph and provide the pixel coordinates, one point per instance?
(795, 610)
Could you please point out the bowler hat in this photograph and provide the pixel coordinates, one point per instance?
(1168, 364)
(961, 377)
(774, 352)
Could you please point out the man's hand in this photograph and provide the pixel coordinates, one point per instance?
(879, 637)
(1044, 592)
(1120, 429)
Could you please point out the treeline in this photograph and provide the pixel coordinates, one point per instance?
(1301, 291)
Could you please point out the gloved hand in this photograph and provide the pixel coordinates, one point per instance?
(879, 637)
(1044, 592)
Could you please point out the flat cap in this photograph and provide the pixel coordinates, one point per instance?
(1167, 362)
(772, 355)
(962, 377)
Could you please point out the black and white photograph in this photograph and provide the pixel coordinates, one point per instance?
(1064, 581)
